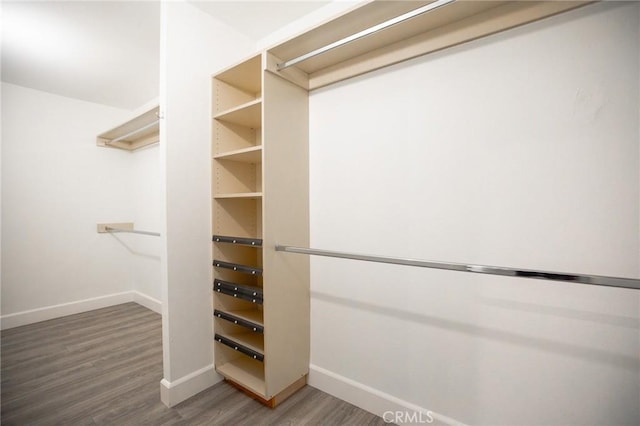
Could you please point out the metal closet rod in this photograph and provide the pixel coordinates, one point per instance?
(364, 33)
(132, 231)
(133, 132)
(480, 269)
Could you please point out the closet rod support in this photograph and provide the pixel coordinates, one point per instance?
(632, 283)
(364, 33)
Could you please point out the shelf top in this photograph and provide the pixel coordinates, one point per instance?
(449, 25)
(140, 131)
(246, 76)
(239, 195)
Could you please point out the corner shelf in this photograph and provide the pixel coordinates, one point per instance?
(136, 133)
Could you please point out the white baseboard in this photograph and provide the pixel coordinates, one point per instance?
(56, 311)
(50, 312)
(390, 408)
(147, 301)
(173, 393)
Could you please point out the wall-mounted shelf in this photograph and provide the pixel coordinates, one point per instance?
(449, 25)
(136, 133)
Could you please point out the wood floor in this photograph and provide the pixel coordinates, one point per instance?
(104, 368)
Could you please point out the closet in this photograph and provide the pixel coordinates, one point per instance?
(260, 170)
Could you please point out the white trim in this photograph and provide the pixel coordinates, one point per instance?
(55, 311)
(62, 310)
(173, 393)
(147, 301)
(370, 399)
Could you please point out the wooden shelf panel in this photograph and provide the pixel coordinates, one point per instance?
(245, 155)
(447, 26)
(254, 341)
(249, 344)
(143, 130)
(238, 195)
(231, 177)
(239, 216)
(245, 76)
(248, 114)
(230, 137)
(252, 315)
(246, 371)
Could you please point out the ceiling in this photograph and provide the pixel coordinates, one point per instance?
(108, 51)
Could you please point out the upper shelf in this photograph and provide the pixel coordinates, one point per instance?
(448, 25)
(136, 133)
(246, 76)
(248, 114)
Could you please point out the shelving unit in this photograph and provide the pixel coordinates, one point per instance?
(261, 303)
(136, 133)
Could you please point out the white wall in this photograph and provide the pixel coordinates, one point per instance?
(146, 207)
(56, 185)
(521, 149)
(194, 46)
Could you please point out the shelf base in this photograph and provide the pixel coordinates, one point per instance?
(277, 399)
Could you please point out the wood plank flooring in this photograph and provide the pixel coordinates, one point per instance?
(104, 368)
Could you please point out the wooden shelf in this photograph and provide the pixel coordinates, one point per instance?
(238, 195)
(253, 341)
(136, 133)
(447, 26)
(245, 371)
(251, 315)
(246, 155)
(248, 114)
(239, 216)
(245, 76)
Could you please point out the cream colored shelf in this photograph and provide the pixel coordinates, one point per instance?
(136, 133)
(248, 114)
(252, 315)
(438, 29)
(246, 371)
(245, 155)
(251, 340)
(238, 195)
(245, 76)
